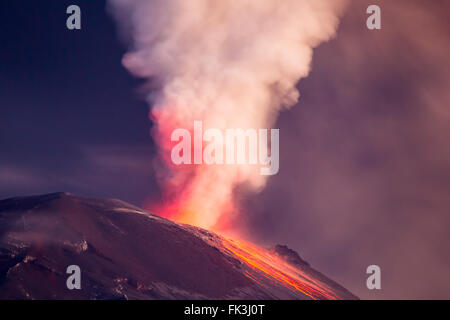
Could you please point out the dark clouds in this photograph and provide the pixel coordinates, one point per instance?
(70, 118)
(365, 160)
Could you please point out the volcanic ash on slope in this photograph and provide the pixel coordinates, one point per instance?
(125, 252)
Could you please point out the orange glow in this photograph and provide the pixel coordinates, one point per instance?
(264, 266)
(202, 196)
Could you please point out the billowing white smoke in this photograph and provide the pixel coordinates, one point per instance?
(229, 63)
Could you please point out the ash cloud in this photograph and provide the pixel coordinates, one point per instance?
(366, 174)
(230, 64)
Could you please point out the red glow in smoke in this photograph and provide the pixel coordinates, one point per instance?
(188, 188)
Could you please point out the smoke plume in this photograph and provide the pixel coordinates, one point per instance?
(230, 64)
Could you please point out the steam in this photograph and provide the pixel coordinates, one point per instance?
(230, 64)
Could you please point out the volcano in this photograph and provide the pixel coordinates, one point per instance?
(125, 252)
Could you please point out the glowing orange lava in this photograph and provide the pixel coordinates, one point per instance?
(265, 266)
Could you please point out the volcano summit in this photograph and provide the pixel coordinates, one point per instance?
(125, 252)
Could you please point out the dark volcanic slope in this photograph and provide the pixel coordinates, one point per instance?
(125, 253)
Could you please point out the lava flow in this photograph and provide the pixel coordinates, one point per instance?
(261, 266)
(270, 272)
(267, 269)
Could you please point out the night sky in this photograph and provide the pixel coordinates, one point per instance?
(364, 156)
(71, 115)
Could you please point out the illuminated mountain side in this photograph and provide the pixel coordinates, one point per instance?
(125, 252)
